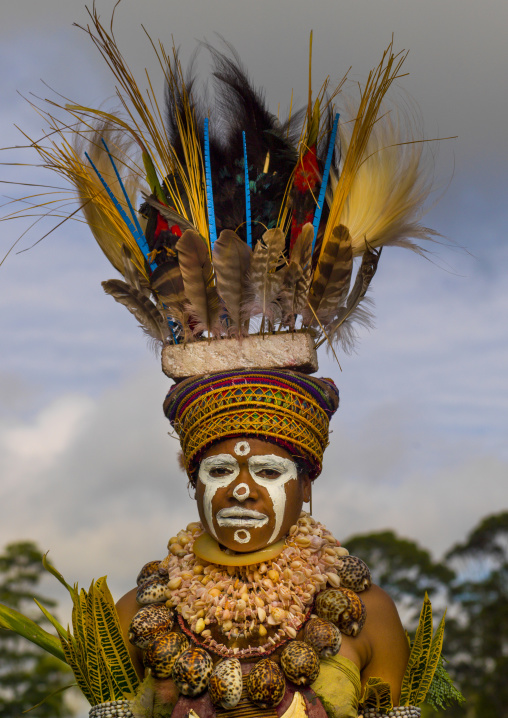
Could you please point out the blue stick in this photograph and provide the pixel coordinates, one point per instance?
(172, 325)
(209, 191)
(324, 182)
(139, 237)
(247, 192)
(127, 198)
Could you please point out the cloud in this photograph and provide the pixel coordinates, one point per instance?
(44, 440)
(372, 481)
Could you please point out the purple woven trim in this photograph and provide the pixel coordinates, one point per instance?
(180, 396)
(231, 382)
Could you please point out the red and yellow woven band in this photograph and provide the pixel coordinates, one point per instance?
(289, 408)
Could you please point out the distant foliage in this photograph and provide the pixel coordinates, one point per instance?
(442, 693)
(28, 674)
(478, 639)
(473, 580)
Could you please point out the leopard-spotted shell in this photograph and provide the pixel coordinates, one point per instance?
(225, 686)
(149, 570)
(300, 663)
(344, 608)
(265, 684)
(153, 590)
(324, 637)
(149, 623)
(192, 671)
(161, 656)
(354, 573)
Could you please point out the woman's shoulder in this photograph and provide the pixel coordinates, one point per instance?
(127, 605)
(126, 608)
(387, 646)
(381, 649)
(380, 606)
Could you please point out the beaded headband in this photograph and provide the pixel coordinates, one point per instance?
(289, 408)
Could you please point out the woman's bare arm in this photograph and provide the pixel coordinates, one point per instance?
(127, 607)
(381, 649)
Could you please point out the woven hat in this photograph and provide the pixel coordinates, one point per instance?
(289, 408)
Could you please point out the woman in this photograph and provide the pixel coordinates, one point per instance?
(250, 489)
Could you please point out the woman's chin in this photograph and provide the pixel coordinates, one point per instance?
(244, 540)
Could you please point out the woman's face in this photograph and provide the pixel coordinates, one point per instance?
(249, 493)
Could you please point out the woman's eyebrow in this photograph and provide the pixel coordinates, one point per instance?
(219, 459)
(269, 460)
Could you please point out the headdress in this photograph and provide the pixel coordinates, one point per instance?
(241, 257)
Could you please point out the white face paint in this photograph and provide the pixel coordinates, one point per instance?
(242, 448)
(238, 516)
(242, 536)
(216, 472)
(276, 486)
(241, 492)
(224, 464)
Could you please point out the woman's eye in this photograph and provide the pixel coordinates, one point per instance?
(268, 473)
(220, 471)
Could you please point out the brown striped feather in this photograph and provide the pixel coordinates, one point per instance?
(266, 275)
(167, 283)
(293, 294)
(332, 277)
(302, 249)
(340, 329)
(132, 274)
(231, 260)
(197, 275)
(145, 311)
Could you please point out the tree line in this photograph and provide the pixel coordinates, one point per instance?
(471, 581)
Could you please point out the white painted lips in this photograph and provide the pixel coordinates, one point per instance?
(238, 517)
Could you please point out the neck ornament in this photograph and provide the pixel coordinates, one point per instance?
(208, 549)
(248, 610)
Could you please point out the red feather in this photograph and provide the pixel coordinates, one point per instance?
(305, 183)
(307, 172)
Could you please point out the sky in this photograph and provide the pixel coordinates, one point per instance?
(418, 445)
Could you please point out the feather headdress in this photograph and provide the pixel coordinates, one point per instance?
(295, 204)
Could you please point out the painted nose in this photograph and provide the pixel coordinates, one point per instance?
(241, 492)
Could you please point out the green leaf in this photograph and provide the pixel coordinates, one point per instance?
(112, 642)
(50, 695)
(79, 622)
(377, 694)
(80, 675)
(418, 656)
(442, 693)
(52, 570)
(432, 662)
(96, 651)
(423, 659)
(14, 621)
(91, 649)
(60, 629)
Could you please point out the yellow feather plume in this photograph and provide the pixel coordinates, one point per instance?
(385, 200)
(108, 229)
